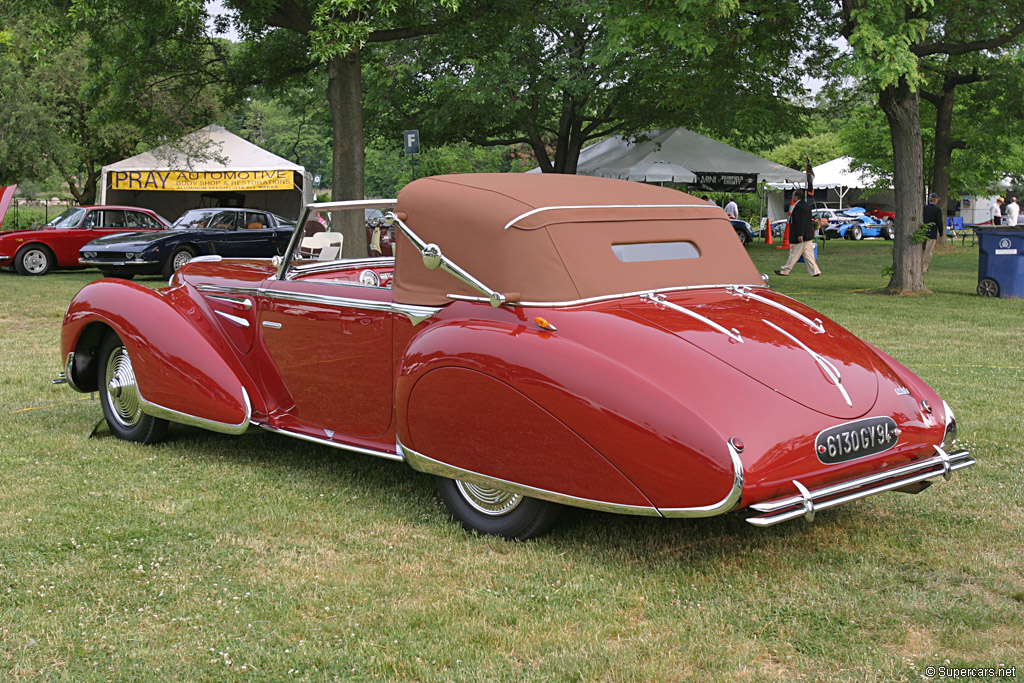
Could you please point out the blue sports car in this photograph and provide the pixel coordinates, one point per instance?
(856, 224)
(198, 232)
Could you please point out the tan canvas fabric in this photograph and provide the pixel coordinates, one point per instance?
(564, 254)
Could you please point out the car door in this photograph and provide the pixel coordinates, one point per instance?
(329, 342)
(95, 223)
(258, 237)
(221, 235)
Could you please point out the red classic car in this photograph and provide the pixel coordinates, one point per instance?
(56, 244)
(537, 340)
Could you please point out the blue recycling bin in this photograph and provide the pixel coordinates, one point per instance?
(1001, 262)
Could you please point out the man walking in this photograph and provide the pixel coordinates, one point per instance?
(801, 237)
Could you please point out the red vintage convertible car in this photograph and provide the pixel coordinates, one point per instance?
(537, 340)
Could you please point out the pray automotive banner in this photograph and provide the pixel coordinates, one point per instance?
(206, 181)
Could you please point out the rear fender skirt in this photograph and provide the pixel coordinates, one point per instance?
(542, 410)
(184, 373)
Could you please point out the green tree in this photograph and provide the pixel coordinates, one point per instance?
(555, 76)
(87, 86)
(889, 41)
(292, 37)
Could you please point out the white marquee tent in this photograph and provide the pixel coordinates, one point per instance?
(210, 167)
(681, 156)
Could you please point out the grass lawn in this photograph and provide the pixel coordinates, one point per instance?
(263, 558)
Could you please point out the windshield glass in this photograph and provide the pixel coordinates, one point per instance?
(196, 219)
(69, 219)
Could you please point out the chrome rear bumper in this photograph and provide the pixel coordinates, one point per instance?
(809, 502)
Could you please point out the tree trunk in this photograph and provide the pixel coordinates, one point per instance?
(943, 149)
(345, 95)
(902, 108)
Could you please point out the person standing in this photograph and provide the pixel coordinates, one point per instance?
(801, 237)
(932, 221)
(732, 210)
(997, 211)
(1011, 213)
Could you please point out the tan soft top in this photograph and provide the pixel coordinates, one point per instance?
(559, 254)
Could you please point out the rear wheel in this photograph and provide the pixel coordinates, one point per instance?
(179, 257)
(742, 234)
(119, 396)
(888, 232)
(495, 512)
(855, 233)
(34, 259)
(988, 287)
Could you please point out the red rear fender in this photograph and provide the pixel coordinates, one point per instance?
(592, 415)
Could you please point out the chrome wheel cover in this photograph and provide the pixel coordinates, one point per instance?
(489, 501)
(122, 393)
(180, 259)
(35, 261)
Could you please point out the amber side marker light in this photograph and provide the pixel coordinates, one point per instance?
(544, 324)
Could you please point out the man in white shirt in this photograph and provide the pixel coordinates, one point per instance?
(1012, 212)
(732, 210)
(997, 211)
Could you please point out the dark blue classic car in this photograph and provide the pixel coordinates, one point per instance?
(199, 232)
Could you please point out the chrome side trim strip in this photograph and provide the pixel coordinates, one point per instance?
(733, 334)
(730, 501)
(744, 291)
(598, 299)
(608, 206)
(808, 502)
(334, 444)
(156, 410)
(325, 300)
(270, 324)
(416, 314)
(246, 304)
(831, 371)
(226, 289)
(241, 322)
(422, 463)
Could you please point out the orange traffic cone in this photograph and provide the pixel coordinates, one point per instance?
(785, 238)
(768, 231)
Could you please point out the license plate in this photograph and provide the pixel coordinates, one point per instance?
(858, 439)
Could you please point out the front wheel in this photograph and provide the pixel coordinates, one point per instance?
(855, 233)
(742, 234)
(33, 260)
(888, 232)
(495, 512)
(119, 396)
(179, 257)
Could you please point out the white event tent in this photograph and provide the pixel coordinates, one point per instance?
(679, 155)
(210, 167)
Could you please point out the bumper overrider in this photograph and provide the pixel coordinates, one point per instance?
(910, 478)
